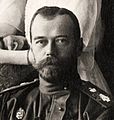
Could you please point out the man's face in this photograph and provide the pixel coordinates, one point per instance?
(53, 45)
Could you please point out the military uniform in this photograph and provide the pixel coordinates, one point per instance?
(26, 102)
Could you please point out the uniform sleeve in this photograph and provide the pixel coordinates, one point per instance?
(2, 106)
(0, 102)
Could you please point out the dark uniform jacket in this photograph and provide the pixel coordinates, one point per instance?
(26, 102)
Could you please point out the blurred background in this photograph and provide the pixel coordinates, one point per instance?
(105, 51)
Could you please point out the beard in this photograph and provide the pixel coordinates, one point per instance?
(54, 70)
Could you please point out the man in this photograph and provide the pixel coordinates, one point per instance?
(58, 93)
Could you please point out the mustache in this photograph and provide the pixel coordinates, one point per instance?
(48, 61)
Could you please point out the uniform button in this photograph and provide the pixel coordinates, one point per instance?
(61, 109)
(65, 88)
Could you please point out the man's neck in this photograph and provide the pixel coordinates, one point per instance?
(68, 83)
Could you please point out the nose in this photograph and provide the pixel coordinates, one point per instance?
(51, 49)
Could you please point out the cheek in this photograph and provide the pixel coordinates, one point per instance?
(66, 51)
(38, 54)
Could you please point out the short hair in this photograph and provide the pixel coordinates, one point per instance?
(51, 12)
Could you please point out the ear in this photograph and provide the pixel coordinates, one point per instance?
(79, 47)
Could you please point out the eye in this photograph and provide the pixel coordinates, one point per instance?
(41, 42)
(62, 41)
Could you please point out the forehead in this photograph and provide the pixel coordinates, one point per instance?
(60, 23)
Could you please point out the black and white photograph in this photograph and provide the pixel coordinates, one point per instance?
(56, 60)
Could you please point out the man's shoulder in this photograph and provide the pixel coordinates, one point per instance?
(21, 86)
(97, 94)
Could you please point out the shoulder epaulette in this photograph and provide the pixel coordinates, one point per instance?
(97, 94)
(24, 84)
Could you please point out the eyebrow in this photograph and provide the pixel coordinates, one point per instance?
(61, 36)
(39, 37)
(42, 37)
